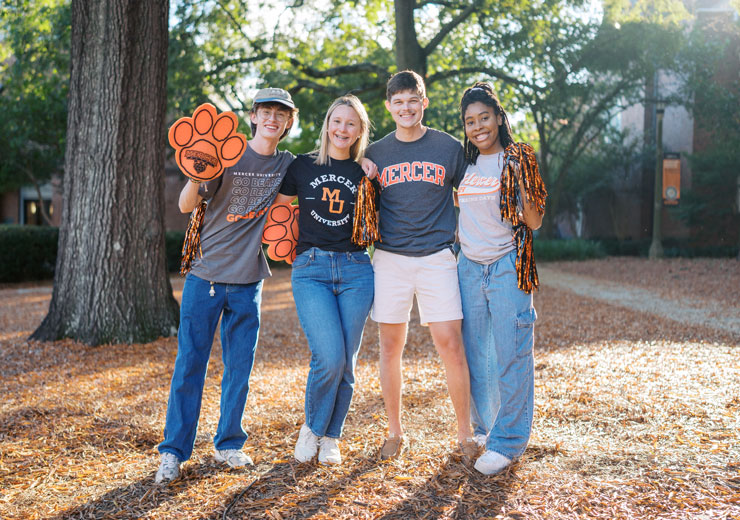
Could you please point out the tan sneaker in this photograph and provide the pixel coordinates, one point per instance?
(392, 447)
(469, 450)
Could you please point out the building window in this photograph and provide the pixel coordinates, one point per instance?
(32, 215)
(29, 208)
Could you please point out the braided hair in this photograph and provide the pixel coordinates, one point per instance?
(482, 92)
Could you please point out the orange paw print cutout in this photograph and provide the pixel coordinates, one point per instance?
(281, 232)
(206, 143)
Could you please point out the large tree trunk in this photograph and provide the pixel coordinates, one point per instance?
(111, 283)
(409, 54)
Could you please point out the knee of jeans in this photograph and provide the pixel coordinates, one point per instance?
(330, 366)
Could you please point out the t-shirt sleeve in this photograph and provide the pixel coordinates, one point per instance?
(460, 166)
(376, 185)
(369, 153)
(288, 156)
(288, 187)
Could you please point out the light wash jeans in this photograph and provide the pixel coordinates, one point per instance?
(333, 293)
(498, 332)
(199, 314)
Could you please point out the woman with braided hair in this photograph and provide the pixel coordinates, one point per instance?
(501, 201)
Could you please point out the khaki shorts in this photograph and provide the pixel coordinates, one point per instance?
(433, 278)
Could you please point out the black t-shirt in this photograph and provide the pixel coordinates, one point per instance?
(326, 198)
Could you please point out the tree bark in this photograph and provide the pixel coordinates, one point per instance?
(409, 54)
(111, 283)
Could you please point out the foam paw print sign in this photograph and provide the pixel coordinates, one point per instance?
(281, 232)
(206, 143)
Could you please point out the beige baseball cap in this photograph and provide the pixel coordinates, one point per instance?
(274, 95)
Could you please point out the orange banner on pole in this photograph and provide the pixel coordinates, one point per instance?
(671, 181)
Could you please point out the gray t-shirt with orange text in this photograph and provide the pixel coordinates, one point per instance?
(231, 237)
(417, 214)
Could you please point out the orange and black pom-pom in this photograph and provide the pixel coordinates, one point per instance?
(520, 161)
(365, 225)
(526, 268)
(192, 238)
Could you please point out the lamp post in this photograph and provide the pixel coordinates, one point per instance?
(656, 248)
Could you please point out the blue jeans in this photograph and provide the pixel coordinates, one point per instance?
(498, 332)
(333, 293)
(199, 314)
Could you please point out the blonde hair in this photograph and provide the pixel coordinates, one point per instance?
(357, 150)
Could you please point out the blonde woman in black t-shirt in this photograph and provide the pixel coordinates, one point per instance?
(332, 278)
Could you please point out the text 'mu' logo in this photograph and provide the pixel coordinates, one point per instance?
(333, 197)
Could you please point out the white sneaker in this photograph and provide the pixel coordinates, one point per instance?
(234, 458)
(491, 463)
(307, 445)
(169, 468)
(480, 439)
(329, 451)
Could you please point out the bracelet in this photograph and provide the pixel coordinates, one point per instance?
(194, 181)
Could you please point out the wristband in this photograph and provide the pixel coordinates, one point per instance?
(194, 181)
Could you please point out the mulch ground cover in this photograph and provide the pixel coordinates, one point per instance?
(636, 417)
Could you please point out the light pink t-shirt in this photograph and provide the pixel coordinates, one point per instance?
(484, 235)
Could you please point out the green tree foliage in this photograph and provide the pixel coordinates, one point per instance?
(34, 73)
(568, 67)
(319, 50)
(563, 68)
(187, 86)
(34, 84)
(605, 176)
(586, 68)
(710, 64)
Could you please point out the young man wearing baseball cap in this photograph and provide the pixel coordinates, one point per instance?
(225, 283)
(418, 168)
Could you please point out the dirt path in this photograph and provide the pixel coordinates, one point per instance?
(711, 314)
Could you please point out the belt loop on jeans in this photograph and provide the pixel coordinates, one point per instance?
(313, 254)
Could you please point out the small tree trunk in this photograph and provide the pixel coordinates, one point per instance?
(548, 221)
(111, 283)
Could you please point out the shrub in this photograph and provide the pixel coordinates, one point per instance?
(672, 248)
(574, 249)
(27, 252)
(30, 252)
(614, 247)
